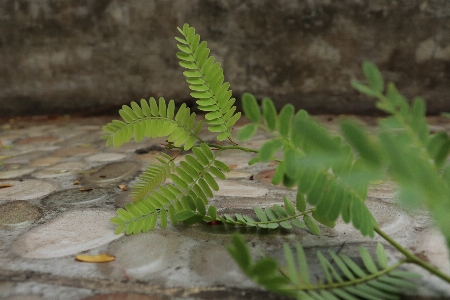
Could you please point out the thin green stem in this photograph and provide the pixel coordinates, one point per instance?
(234, 147)
(411, 258)
(288, 218)
(337, 285)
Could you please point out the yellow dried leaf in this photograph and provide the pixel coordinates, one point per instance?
(86, 189)
(76, 182)
(100, 258)
(272, 163)
(5, 185)
(123, 187)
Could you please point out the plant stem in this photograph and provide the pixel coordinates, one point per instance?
(232, 147)
(411, 258)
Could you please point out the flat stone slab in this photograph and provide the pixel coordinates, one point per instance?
(60, 170)
(234, 189)
(105, 157)
(15, 173)
(44, 223)
(68, 234)
(113, 173)
(19, 213)
(27, 189)
(78, 197)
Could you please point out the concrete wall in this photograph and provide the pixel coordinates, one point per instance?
(61, 56)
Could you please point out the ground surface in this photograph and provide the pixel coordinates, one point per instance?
(46, 219)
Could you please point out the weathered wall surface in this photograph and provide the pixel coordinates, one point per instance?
(62, 56)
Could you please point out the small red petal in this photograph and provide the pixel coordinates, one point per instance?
(213, 223)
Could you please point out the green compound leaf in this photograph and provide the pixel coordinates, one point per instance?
(268, 149)
(342, 278)
(382, 256)
(312, 226)
(285, 120)
(151, 120)
(269, 113)
(361, 142)
(247, 132)
(373, 76)
(206, 80)
(184, 215)
(251, 107)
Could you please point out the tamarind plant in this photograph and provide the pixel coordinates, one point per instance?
(331, 174)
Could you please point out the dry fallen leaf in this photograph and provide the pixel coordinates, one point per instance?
(99, 258)
(232, 167)
(5, 185)
(86, 189)
(272, 163)
(123, 187)
(76, 182)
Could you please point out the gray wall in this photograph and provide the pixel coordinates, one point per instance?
(61, 56)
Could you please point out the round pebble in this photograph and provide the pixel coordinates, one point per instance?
(37, 140)
(25, 158)
(113, 173)
(123, 297)
(215, 265)
(18, 214)
(27, 189)
(45, 161)
(142, 254)
(59, 170)
(74, 151)
(238, 175)
(68, 234)
(76, 196)
(15, 173)
(234, 189)
(104, 157)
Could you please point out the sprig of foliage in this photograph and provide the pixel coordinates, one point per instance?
(206, 81)
(417, 160)
(322, 167)
(276, 216)
(152, 120)
(183, 200)
(346, 281)
(331, 174)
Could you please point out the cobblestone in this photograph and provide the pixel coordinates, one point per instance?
(61, 189)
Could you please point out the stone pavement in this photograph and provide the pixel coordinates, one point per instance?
(59, 188)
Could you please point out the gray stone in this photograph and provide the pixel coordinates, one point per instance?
(67, 234)
(234, 189)
(65, 56)
(61, 169)
(77, 197)
(18, 214)
(142, 255)
(112, 173)
(27, 189)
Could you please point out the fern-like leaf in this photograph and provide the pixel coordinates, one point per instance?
(152, 119)
(274, 217)
(183, 200)
(206, 81)
(346, 280)
(404, 138)
(323, 168)
(153, 177)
